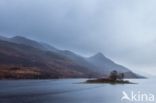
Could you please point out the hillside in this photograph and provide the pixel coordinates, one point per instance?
(21, 57)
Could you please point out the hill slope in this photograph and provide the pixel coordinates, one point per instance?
(24, 58)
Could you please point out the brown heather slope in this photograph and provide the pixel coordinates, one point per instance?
(35, 63)
(23, 58)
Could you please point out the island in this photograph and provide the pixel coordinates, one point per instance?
(113, 78)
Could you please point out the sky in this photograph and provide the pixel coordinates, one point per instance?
(123, 30)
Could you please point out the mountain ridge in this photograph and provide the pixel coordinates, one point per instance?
(55, 63)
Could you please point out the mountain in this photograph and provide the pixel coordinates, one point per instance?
(33, 43)
(78, 59)
(3, 38)
(105, 65)
(44, 64)
(25, 41)
(21, 57)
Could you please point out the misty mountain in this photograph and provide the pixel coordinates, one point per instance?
(25, 41)
(3, 38)
(45, 64)
(105, 65)
(33, 43)
(29, 42)
(21, 57)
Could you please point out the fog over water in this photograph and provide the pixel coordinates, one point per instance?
(123, 30)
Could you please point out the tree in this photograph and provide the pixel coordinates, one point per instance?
(121, 76)
(113, 75)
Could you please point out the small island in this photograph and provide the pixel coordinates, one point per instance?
(113, 78)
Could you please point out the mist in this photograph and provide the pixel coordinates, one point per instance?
(122, 30)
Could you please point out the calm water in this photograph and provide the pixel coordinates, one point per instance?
(69, 91)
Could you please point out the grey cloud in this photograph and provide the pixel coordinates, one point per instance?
(122, 30)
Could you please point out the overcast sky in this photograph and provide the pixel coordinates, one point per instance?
(123, 30)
